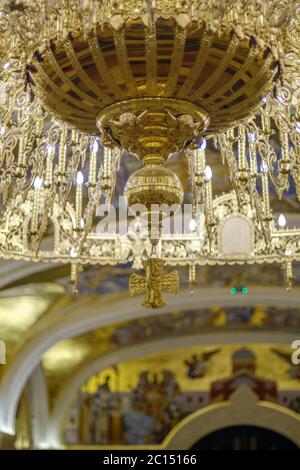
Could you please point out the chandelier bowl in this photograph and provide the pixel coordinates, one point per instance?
(223, 74)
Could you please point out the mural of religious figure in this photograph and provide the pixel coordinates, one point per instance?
(101, 420)
(244, 365)
(86, 420)
(116, 421)
(145, 410)
(197, 364)
(239, 315)
(294, 369)
(138, 426)
(156, 404)
(172, 412)
(101, 413)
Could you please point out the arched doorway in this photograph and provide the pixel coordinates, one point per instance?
(244, 438)
(243, 410)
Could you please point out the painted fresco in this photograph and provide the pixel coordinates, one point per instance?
(157, 327)
(111, 411)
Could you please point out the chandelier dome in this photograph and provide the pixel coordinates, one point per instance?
(224, 73)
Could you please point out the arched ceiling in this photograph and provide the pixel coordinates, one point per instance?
(73, 317)
(21, 308)
(269, 365)
(62, 360)
(125, 364)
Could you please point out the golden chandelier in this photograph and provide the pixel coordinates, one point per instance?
(83, 81)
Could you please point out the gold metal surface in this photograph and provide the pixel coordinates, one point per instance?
(154, 283)
(156, 77)
(153, 184)
(157, 59)
(152, 128)
(21, 307)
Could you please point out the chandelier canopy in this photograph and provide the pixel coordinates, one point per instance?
(221, 75)
(84, 81)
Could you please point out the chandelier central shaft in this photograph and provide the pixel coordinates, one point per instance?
(152, 128)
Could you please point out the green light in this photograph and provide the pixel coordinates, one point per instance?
(233, 290)
(244, 290)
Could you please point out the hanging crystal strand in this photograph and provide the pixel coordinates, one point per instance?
(21, 158)
(48, 194)
(78, 202)
(37, 185)
(75, 139)
(62, 158)
(192, 277)
(242, 161)
(39, 123)
(74, 277)
(208, 200)
(75, 158)
(93, 164)
(215, 142)
(116, 156)
(241, 148)
(295, 157)
(229, 141)
(265, 121)
(106, 180)
(252, 154)
(2, 160)
(23, 138)
(49, 166)
(89, 210)
(107, 162)
(284, 163)
(223, 146)
(200, 161)
(260, 204)
(192, 157)
(253, 172)
(265, 192)
(230, 135)
(288, 274)
(208, 203)
(94, 192)
(83, 145)
(61, 171)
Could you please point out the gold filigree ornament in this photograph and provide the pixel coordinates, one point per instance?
(154, 283)
(153, 78)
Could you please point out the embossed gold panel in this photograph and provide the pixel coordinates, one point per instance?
(222, 74)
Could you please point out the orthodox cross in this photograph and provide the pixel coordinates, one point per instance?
(154, 283)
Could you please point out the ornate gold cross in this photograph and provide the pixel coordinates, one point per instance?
(154, 283)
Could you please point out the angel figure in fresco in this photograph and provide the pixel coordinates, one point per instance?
(196, 365)
(170, 385)
(294, 369)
